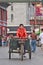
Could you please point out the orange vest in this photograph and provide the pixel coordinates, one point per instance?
(21, 33)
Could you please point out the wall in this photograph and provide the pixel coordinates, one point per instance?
(19, 12)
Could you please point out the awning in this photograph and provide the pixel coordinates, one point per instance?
(4, 4)
(20, 0)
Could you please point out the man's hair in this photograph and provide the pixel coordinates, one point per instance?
(21, 25)
(33, 30)
(42, 29)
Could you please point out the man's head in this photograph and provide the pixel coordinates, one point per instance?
(21, 26)
(11, 35)
(42, 29)
(33, 31)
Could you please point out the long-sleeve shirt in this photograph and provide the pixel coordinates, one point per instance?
(41, 37)
(21, 33)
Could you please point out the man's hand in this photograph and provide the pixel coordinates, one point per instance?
(16, 37)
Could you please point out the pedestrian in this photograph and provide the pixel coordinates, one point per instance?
(9, 37)
(8, 40)
(41, 38)
(33, 41)
(4, 41)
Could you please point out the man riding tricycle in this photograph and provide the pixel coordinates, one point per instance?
(20, 42)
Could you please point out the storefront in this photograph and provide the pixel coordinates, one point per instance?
(3, 18)
(3, 21)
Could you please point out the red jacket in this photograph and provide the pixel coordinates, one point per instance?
(21, 33)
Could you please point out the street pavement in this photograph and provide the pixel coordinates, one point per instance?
(37, 58)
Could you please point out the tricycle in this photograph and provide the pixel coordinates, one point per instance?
(13, 47)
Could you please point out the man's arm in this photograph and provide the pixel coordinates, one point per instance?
(17, 34)
(25, 33)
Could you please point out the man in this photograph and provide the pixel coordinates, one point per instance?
(9, 37)
(33, 41)
(22, 34)
(41, 38)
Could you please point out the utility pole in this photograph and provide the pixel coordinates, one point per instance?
(34, 14)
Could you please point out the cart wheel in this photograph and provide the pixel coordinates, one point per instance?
(29, 54)
(9, 55)
(22, 51)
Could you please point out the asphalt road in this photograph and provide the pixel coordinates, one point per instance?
(37, 58)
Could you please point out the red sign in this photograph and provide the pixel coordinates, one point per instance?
(39, 10)
(38, 13)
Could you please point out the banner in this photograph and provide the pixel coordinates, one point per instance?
(39, 11)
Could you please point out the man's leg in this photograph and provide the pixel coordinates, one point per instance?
(34, 46)
(42, 47)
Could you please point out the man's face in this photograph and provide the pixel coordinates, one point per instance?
(21, 26)
(11, 35)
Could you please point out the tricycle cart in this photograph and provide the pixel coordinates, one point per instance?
(13, 46)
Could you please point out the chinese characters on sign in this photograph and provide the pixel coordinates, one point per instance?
(39, 10)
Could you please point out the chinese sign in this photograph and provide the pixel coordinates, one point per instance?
(39, 10)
